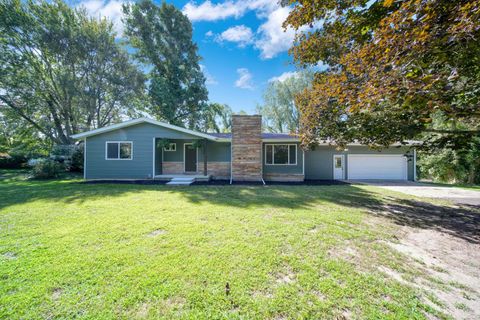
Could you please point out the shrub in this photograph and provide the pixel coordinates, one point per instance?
(70, 155)
(12, 161)
(77, 160)
(47, 169)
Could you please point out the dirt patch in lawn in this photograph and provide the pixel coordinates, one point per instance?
(56, 294)
(156, 233)
(9, 255)
(348, 253)
(443, 243)
(286, 277)
(453, 266)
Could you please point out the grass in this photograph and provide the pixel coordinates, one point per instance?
(105, 251)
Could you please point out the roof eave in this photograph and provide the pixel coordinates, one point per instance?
(137, 121)
(397, 144)
(281, 140)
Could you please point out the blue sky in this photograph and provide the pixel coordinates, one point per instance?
(242, 44)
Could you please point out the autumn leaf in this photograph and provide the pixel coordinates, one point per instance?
(389, 74)
(387, 3)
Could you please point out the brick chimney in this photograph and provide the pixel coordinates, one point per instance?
(246, 148)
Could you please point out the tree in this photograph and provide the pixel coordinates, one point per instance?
(162, 36)
(216, 118)
(19, 139)
(447, 165)
(279, 112)
(61, 71)
(225, 119)
(392, 66)
(451, 165)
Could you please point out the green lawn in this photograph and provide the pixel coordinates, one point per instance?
(106, 251)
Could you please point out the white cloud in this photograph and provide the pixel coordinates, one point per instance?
(111, 9)
(270, 38)
(240, 34)
(244, 80)
(208, 11)
(284, 76)
(209, 79)
(273, 39)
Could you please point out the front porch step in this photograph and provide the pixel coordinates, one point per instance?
(181, 181)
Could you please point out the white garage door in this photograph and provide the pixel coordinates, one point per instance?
(383, 167)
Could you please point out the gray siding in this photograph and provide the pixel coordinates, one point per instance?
(141, 166)
(319, 162)
(283, 169)
(216, 151)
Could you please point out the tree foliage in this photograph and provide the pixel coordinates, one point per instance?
(215, 118)
(61, 71)
(393, 66)
(18, 138)
(279, 111)
(162, 36)
(448, 164)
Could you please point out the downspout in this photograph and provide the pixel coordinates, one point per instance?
(303, 163)
(231, 159)
(261, 161)
(85, 158)
(154, 151)
(205, 171)
(414, 164)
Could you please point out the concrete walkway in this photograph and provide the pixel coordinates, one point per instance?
(454, 194)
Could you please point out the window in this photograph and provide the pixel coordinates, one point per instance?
(119, 150)
(281, 154)
(170, 147)
(338, 163)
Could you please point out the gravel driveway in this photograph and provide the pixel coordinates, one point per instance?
(456, 195)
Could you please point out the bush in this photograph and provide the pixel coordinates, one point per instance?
(47, 169)
(12, 161)
(70, 155)
(77, 160)
(451, 166)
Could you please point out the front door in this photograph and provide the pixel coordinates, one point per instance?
(338, 167)
(190, 153)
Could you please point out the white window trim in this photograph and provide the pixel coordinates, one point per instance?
(171, 144)
(116, 159)
(273, 154)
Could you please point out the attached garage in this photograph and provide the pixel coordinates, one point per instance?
(381, 167)
(360, 162)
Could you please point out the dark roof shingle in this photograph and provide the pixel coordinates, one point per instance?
(265, 135)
